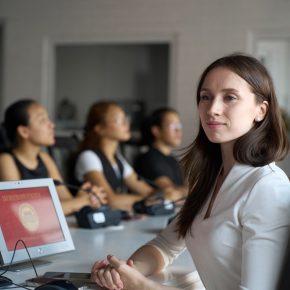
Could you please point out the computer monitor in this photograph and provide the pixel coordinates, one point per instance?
(30, 210)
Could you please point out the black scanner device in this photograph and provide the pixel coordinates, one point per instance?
(57, 285)
(154, 205)
(91, 218)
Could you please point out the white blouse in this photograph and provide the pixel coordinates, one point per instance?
(88, 161)
(242, 244)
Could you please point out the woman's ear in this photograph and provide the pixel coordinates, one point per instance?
(155, 130)
(262, 111)
(23, 131)
(98, 129)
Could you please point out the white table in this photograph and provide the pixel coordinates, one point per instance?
(121, 241)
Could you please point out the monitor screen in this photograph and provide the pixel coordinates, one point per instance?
(31, 211)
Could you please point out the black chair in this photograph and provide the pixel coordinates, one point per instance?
(284, 281)
(4, 143)
(64, 154)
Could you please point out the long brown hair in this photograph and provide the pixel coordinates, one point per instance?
(266, 142)
(96, 116)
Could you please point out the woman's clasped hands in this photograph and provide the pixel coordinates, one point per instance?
(115, 274)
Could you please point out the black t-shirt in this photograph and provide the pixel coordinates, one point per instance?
(154, 164)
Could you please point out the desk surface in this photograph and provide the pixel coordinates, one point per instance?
(121, 241)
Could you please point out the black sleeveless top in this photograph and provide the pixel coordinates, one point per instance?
(115, 181)
(39, 172)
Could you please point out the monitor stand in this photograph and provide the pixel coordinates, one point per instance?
(24, 265)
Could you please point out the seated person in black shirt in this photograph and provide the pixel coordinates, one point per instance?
(29, 128)
(163, 133)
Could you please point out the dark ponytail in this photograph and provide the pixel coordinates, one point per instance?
(16, 115)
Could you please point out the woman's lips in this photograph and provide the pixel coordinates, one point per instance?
(215, 125)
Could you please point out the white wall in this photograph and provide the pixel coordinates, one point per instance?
(276, 57)
(200, 30)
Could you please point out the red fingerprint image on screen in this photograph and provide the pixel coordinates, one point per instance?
(29, 214)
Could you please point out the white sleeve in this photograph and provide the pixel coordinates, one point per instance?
(168, 244)
(128, 170)
(265, 220)
(87, 161)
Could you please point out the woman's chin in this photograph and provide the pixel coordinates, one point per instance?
(50, 143)
(215, 139)
(126, 138)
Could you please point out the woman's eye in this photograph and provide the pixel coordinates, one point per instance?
(230, 98)
(204, 97)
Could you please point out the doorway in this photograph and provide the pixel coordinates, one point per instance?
(134, 75)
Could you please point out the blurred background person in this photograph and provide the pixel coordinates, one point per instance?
(162, 132)
(100, 162)
(28, 129)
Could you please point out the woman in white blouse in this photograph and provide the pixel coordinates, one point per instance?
(100, 162)
(236, 218)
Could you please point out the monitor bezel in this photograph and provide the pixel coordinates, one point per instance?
(37, 251)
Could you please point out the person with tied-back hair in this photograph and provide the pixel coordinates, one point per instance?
(29, 128)
(100, 162)
(162, 132)
(235, 220)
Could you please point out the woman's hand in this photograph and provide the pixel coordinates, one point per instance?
(131, 278)
(172, 194)
(96, 195)
(100, 193)
(106, 276)
(124, 201)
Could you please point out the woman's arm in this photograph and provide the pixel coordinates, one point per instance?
(68, 202)
(132, 279)
(148, 260)
(121, 201)
(89, 168)
(138, 186)
(72, 205)
(165, 182)
(8, 168)
(171, 191)
(9, 171)
(265, 220)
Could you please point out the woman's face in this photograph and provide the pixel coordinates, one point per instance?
(227, 107)
(116, 125)
(170, 130)
(40, 129)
